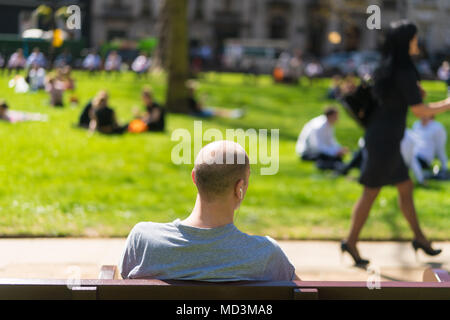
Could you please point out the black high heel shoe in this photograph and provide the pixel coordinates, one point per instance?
(358, 261)
(427, 249)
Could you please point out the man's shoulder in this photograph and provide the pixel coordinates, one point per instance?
(438, 126)
(314, 123)
(146, 226)
(273, 243)
(319, 122)
(265, 242)
(148, 229)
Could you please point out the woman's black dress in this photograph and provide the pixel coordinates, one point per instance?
(383, 163)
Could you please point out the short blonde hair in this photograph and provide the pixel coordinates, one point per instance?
(100, 97)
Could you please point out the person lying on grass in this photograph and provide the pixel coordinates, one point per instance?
(3, 111)
(207, 246)
(18, 116)
(196, 108)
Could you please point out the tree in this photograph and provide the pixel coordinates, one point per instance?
(176, 56)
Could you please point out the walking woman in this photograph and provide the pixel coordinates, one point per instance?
(396, 88)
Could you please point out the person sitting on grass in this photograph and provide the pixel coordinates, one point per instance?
(152, 119)
(113, 62)
(17, 61)
(36, 57)
(334, 91)
(55, 89)
(103, 118)
(85, 117)
(197, 110)
(141, 64)
(36, 77)
(92, 62)
(68, 81)
(317, 142)
(207, 246)
(429, 139)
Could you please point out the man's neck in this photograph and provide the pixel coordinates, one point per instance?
(425, 123)
(209, 214)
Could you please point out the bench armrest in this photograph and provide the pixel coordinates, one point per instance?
(435, 275)
(108, 272)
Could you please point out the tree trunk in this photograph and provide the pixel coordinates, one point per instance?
(159, 56)
(177, 56)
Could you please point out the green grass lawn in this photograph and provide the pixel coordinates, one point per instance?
(56, 180)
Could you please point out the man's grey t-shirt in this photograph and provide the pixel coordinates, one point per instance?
(176, 251)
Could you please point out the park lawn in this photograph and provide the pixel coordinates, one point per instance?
(57, 180)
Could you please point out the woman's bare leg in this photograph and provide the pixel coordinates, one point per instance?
(360, 214)
(406, 203)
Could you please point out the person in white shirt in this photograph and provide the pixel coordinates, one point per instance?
(317, 142)
(92, 62)
(17, 61)
(443, 72)
(36, 57)
(19, 84)
(36, 77)
(141, 64)
(424, 143)
(113, 62)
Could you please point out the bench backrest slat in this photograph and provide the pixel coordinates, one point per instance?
(184, 290)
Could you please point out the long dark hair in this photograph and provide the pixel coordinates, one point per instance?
(395, 55)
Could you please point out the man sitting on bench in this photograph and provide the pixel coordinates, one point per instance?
(207, 246)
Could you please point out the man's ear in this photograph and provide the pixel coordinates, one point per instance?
(193, 176)
(239, 189)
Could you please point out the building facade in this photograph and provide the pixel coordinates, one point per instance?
(305, 24)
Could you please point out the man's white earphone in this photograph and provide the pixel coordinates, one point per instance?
(242, 194)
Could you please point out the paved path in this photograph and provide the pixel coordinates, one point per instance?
(313, 260)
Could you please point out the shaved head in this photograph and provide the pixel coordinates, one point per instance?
(218, 167)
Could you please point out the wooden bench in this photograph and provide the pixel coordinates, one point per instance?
(436, 285)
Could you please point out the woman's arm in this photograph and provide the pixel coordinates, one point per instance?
(430, 109)
(114, 120)
(92, 125)
(155, 115)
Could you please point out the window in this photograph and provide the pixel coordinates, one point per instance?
(147, 8)
(199, 14)
(278, 27)
(227, 5)
(116, 34)
(390, 4)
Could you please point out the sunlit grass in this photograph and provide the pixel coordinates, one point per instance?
(56, 180)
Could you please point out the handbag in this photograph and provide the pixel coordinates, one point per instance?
(360, 103)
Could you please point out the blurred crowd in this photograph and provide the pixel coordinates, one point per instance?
(92, 62)
(37, 72)
(343, 66)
